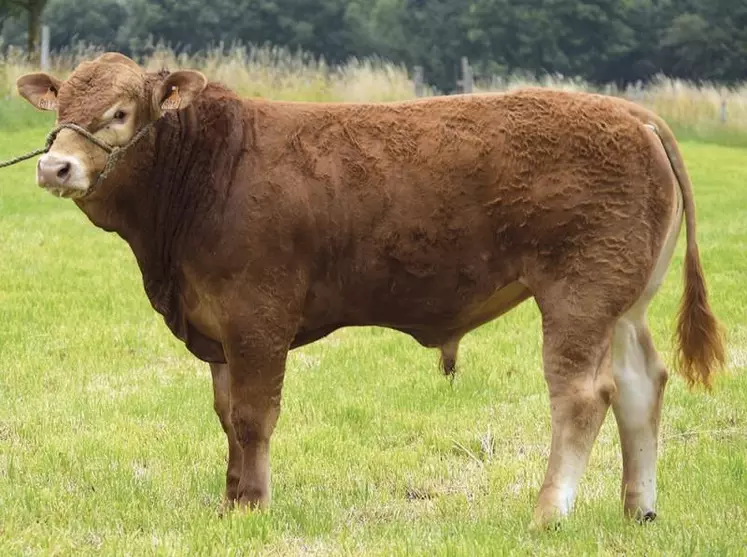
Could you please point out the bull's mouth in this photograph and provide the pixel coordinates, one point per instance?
(65, 192)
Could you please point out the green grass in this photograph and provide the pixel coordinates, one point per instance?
(714, 134)
(108, 441)
(16, 115)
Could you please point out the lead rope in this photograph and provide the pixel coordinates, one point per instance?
(22, 158)
(114, 152)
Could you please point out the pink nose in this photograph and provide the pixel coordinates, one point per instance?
(53, 171)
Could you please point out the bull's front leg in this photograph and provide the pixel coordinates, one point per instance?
(256, 364)
(222, 406)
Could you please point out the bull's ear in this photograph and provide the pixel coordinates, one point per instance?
(179, 89)
(40, 89)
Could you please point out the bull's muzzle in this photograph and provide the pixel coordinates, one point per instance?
(60, 175)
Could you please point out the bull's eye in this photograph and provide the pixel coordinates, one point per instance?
(120, 115)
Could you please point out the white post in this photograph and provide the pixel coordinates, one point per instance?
(467, 81)
(419, 79)
(45, 48)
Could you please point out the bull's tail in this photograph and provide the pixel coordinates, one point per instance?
(699, 334)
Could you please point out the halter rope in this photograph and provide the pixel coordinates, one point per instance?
(114, 153)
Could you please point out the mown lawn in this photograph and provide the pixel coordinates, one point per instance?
(108, 441)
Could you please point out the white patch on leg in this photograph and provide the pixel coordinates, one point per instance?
(636, 375)
(629, 369)
(567, 496)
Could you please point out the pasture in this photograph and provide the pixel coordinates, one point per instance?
(109, 443)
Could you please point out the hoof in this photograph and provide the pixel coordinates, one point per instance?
(650, 516)
(230, 497)
(639, 515)
(553, 525)
(547, 520)
(253, 499)
(226, 505)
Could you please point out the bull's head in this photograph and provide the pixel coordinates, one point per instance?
(110, 97)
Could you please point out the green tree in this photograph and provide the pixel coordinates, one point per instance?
(599, 40)
(7, 10)
(89, 21)
(589, 38)
(335, 29)
(704, 39)
(641, 61)
(434, 38)
(31, 10)
(688, 47)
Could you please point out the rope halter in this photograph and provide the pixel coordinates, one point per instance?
(114, 153)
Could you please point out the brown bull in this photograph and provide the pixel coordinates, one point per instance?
(262, 226)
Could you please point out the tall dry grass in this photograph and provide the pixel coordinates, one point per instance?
(270, 72)
(279, 73)
(700, 110)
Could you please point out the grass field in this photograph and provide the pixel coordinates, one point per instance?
(109, 444)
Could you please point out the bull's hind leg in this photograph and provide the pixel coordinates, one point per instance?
(640, 377)
(222, 405)
(576, 353)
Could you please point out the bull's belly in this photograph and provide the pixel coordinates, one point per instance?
(439, 332)
(430, 329)
(503, 300)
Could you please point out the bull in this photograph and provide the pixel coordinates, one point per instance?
(262, 226)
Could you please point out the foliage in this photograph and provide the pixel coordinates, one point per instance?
(621, 41)
(92, 21)
(30, 11)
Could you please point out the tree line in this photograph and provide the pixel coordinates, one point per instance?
(601, 41)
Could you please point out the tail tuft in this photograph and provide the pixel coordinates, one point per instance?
(699, 335)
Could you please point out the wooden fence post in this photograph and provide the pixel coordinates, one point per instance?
(722, 113)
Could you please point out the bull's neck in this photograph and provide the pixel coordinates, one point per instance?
(161, 194)
(174, 191)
